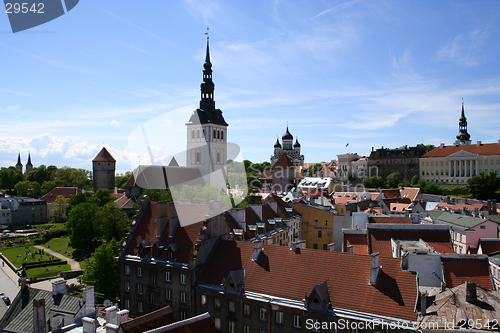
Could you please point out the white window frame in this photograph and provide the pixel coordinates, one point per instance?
(183, 297)
(127, 286)
(168, 294)
(140, 289)
(279, 317)
(263, 314)
(140, 307)
(231, 326)
(232, 306)
(217, 323)
(217, 303)
(297, 321)
(127, 270)
(183, 278)
(168, 276)
(139, 271)
(204, 300)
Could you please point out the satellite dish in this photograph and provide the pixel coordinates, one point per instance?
(107, 303)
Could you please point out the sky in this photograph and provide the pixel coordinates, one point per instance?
(126, 75)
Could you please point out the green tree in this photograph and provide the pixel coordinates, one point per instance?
(374, 182)
(314, 169)
(414, 180)
(81, 224)
(103, 270)
(121, 179)
(102, 197)
(114, 223)
(429, 147)
(59, 207)
(393, 179)
(9, 177)
(69, 177)
(26, 188)
(48, 186)
(484, 186)
(76, 200)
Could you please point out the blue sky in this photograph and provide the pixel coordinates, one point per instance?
(367, 73)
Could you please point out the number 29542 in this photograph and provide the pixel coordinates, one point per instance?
(36, 8)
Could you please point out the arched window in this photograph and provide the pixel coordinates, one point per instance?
(222, 135)
(203, 132)
(192, 134)
(214, 134)
(218, 157)
(198, 157)
(218, 134)
(198, 134)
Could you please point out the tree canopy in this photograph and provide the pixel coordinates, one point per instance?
(314, 169)
(484, 186)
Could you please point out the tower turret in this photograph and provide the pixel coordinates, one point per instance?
(29, 165)
(103, 170)
(463, 136)
(19, 165)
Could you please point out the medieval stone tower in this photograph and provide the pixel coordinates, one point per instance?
(207, 132)
(103, 169)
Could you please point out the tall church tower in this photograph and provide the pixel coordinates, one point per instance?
(463, 137)
(19, 165)
(29, 165)
(207, 132)
(103, 170)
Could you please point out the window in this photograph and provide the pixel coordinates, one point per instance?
(203, 300)
(152, 299)
(183, 297)
(262, 331)
(232, 326)
(222, 135)
(140, 307)
(315, 246)
(139, 289)
(246, 329)
(217, 303)
(183, 315)
(325, 247)
(263, 314)
(153, 280)
(482, 227)
(325, 223)
(279, 317)
(127, 304)
(168, 277)
(183, 278)
(127, 286)
(320, 234)
(168, 294)
(297, 319)
(315, 223)
(217, 323)
(486, 162)
(232, 307)
(139, 271)
(198, 157)
(246, 310)
(218, 157)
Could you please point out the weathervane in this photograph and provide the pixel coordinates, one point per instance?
(206, 33)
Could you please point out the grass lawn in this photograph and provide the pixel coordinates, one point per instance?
(41, 272)
(17, 255)
(60, 245)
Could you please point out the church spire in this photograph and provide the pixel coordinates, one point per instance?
(19, 165)
(207, 102)
(463, 136)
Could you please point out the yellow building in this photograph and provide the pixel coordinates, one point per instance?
(317, 225)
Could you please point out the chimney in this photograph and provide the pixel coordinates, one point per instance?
(116, 190)
(111, 315)
(88, 299)
(494, 206)
(23, 281)
(89, 325)
(479, 143)
(448, 200)
(161, 217)
(39, 322)
(331, 247)
(476, 212)
(173, 219)
(122, 316)
(488, 206)
(59, 287)
(471, 292)
(423, 304)
(375, 268)
(404, 260)
(257, 250)
(441, 145)
(349, 249)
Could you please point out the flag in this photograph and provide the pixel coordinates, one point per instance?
(347, 144)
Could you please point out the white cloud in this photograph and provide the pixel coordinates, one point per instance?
(114, 122)
(464, 48)
(13, 107)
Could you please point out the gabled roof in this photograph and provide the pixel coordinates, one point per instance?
(397, 207)
(483, 149)
(284, 273)
(104, 156)
(460, 270)
(410, 192)
(391, 194)
(19, 316)
(283, 162)
(66, 192)
(458, 221)
(152, 320)
(489, 245)
(461, 206)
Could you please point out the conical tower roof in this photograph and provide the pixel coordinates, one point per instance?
(104, 156)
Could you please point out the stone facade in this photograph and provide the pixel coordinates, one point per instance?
(103, 170)
(384, 161)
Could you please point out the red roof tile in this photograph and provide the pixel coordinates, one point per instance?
(149, 321)
(358, 242)
(380, 240)
(489, 245)
(104, 156)
(389, 219)
(461, 206)
(441, 247)
(391, 194)
(459, 271)
(283, 162)
(484, 149)
(347, 275)
(410, 192)
(66, 192)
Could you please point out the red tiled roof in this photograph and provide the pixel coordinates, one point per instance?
(389, 219)
(149, 321)
(410, 192)
(398, 207)
(358, 242)
(66, 192)
(380, 240)
(283, 162)
(185, 237)
(441, 247)
(282, 206)
(489, 245)
(374, 209)
(284, 273)
(104, 156)
(484, 149)
(461, 206)
(391, 194)
(459, 271)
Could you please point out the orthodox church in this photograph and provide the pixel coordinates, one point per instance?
(292, 150)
